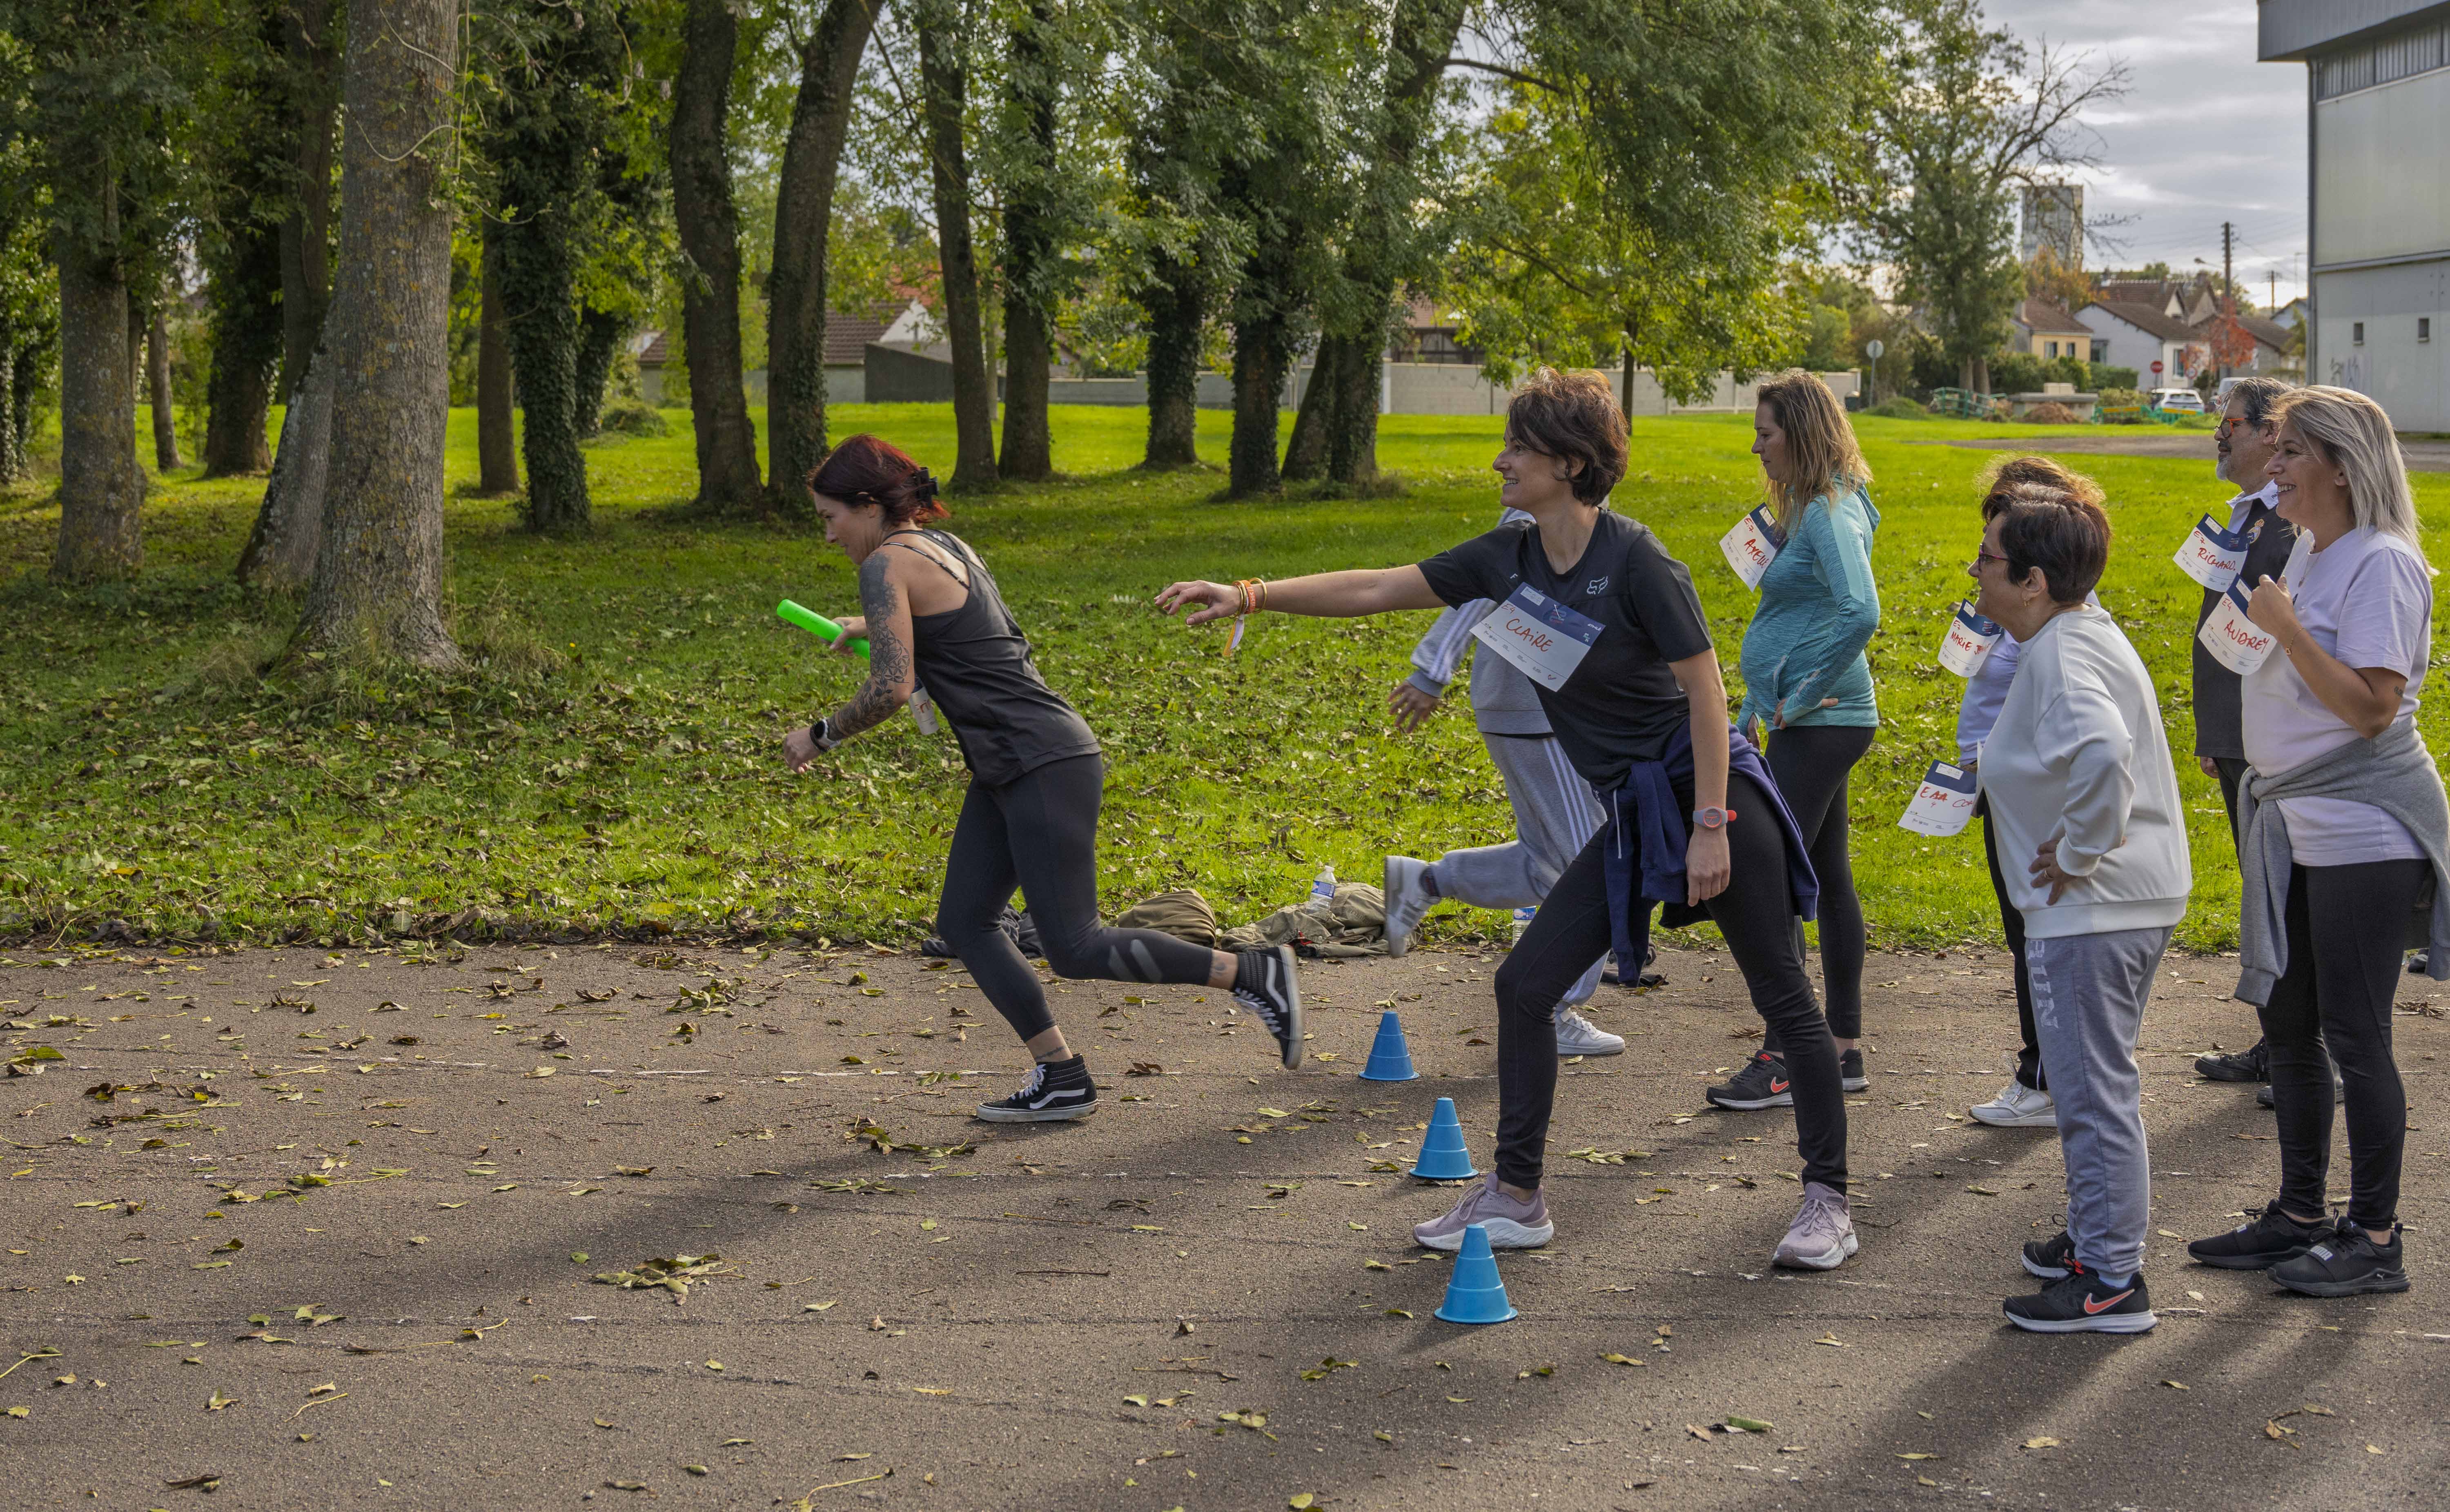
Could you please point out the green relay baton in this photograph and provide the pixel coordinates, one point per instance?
(922, 708)
(816, 624)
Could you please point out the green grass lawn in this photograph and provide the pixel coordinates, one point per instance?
(145, 776)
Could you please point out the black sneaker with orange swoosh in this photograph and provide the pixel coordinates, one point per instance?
(1763, 1083)
(2079, 1302)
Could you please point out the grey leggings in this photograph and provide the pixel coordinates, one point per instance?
(1040, 832)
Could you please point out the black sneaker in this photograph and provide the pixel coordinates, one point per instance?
(2271, 1237)
(2078, 1303)
(1264, 983)
(2346, 1264)
(1850, 1070)
(2253, 1065)
(1615, 974)
(2050, 1258)
(1763, 1083)
(2263, 1097)
(1054, 1090)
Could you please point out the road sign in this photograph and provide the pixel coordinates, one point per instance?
(2156, 370)
(1873, 349)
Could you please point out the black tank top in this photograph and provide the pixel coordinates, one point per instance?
(976, 665)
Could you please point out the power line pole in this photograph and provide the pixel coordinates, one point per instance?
(2228, 284)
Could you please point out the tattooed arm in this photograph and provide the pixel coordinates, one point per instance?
(886, 625)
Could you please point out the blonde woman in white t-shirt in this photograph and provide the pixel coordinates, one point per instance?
(2332, 709)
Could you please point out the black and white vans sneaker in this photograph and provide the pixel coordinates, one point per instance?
(1763, 1083)
(2346, 1264)
(1055, 1090)
(2252, 1064)
(1850, 1070)
(2050, 1258)
(2079, 1302)
(1264, 983)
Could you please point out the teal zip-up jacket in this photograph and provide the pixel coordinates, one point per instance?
(1819, 606)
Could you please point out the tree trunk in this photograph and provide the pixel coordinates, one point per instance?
(1176, 305)
(1260, 357)
(246, 343)
(1030, 265)
(599, 341)
(279, 555)
(497, 443)
(378, 583)
(708, 226)
(1306, 452)
(1352, 416)
(25, 382)
(795, 284)
(157, 386)
(945, 85)
(307, 27)
(13, 459)
(100, 483)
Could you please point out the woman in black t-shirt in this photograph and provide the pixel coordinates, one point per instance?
(1606, 623)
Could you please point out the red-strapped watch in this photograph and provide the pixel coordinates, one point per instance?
(1713, 818)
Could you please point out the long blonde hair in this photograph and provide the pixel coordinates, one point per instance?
(2351, 432)
(1821, 455)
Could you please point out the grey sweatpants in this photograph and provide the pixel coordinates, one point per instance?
(2089, 998)
(1555, 816)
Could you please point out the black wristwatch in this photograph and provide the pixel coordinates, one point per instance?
(821, 735)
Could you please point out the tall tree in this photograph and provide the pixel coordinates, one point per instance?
(29, 287)
(795, 282)
(310, 98)
(497, 441)
(106, 84)
(943, 79)
(157, 392)
(1971, 115)
(378, 583)
(547, 125)
(246, 190)
(708, 221)
(1032, 270)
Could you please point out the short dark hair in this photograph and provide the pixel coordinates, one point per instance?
(871, 470)
(2065, 537)
(2259, 394)
(1571, 416)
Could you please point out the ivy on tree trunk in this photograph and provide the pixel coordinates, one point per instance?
(498, 443)
(707, 224)
(310, 47)
(599, 341)
(1306, 449)
(795, 284)
(246, 296)
(945, 84)
(1031, 262)
(377, 585)
(100, 483)
(1176, 299)
(157, 393)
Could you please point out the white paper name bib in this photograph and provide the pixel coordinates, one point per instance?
(1968, 640)
(1540, 637)
(1943, 804)
(2212, 555)
(1751, 546)
(2233, 638)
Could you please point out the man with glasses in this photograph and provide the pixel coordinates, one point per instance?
(2245, 444)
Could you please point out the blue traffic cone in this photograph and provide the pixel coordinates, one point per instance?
(1391, 1059)
(1442, 1157)
(1475, 1292)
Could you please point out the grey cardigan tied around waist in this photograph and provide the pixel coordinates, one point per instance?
(2395, 773)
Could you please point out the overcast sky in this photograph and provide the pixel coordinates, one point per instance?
(2205, 135)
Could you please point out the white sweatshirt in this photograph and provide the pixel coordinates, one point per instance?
(2079, 757)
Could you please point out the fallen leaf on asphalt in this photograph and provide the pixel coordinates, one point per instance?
(218, 1402)
(2177, 1385)
(2043, 1443)
(1982, 1191)
(1749, 1425)
(1620, 1358)
(1701, 1433)
(1918, 1455)
(1833, 1340)
(195, 1482)
(2319, 1412)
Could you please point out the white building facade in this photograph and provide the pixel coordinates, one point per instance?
(2378, 195)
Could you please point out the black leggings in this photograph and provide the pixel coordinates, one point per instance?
(2011, 920)
(1039, 831)
(1810, 764)
(1757, 914)
(2347, 929)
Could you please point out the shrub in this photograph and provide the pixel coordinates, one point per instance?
(634, 418)
(1899, 407)
(2049, 413)
(2102, 378)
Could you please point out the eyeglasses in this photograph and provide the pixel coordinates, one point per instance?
(1982, 557)
(2230, 424)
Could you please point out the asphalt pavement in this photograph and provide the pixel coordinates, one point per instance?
(308, 1229)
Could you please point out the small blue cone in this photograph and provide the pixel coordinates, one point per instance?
(1475, 1292)
(1391, 1059)
(1442, 1157)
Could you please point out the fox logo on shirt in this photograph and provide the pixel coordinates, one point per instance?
(1597, 585)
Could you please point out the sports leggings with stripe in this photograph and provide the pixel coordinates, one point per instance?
(1039, 832)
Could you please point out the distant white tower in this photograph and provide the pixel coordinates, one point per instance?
(2053, 217)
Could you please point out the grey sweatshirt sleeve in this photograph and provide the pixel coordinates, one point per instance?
(1441, 651)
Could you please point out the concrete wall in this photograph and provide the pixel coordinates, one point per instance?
(2383, 191)
(846, 383)
(2407, 378)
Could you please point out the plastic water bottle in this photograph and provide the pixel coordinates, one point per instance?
(1322, 887)
(1523, 920)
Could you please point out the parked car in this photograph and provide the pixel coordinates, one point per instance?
(2174, 400)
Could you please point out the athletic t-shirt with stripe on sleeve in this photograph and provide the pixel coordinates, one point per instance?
(1622, 703)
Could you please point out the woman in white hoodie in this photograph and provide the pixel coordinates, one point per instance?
(2083, 801)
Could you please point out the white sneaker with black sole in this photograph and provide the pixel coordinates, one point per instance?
(1409, 900)
(1264, 983)
(1577, 1036)
(1054, 1092)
